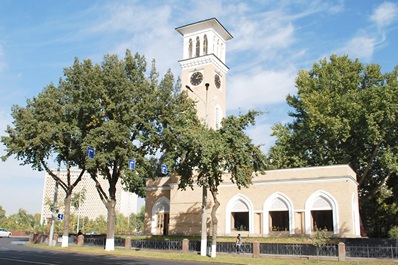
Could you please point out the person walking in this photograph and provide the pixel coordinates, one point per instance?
(239, 242)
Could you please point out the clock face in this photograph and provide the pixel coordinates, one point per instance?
(217, 81)
(196, 78)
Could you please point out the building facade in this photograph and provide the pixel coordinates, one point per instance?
(288, 202)
(91, 206)
(280, 202)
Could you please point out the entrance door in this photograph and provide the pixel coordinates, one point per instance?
(162, 225)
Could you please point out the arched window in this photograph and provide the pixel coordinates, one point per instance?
(218, 49)
(321, 212)
(239, 215)
(205, 44)
(214, 46)
(197, 47)
(278, 214)
(190, 48)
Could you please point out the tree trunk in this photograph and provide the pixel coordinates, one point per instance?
(111, 220)
(65, 232)
(110, 204)
(214, 221)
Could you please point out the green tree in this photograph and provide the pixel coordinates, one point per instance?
(99, 225)
(38, 228)
(139, 222)
(113, 107)
(344, 113)
(52, 125)
(21, 221)
(76, 200)
(204, 155)
(136, 221)
(121, 224)
(320, 239)
(3, 216)
(133, 117)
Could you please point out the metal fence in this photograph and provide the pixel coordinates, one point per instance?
(120, 242)
(95, 241)
(352, 251)
(367, 251)
(157, 244)
(229, 247)
(194, 246)
(299, 250)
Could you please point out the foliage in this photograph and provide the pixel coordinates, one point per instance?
(113, 107)
(2, 214)
(320, 238)
(21, 221)
(345, 113)
(204, 156)
(383, 208)
(78, 198)
(213, 152)
(126, 115)
(393, 232)
(51, 125)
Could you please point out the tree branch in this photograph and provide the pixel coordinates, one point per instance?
(369, 165)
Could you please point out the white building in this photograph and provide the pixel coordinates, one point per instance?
(91, 206)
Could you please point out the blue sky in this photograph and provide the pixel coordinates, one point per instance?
(272, 41)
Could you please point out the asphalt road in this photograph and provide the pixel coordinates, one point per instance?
(13, 252)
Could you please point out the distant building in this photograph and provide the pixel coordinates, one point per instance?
(92, 206)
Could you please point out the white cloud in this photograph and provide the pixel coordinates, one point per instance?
(148, 31)
(132, 18)
(259, 89)
(361, 47)
(364, 43)
(260, 134)
(262, 35)
(385, 14)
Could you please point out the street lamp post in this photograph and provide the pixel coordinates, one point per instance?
(203, 239)
(53, 210)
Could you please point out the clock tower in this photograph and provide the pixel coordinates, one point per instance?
(204, 69)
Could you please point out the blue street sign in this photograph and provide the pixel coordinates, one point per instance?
(132, 164)
(164, 169)
(90, 152)
(60, 216)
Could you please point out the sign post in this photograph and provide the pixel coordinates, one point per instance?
(164, 169)
(60, 216)
(132, 164)
(90, 152)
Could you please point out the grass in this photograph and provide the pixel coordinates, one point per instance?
(220, 259)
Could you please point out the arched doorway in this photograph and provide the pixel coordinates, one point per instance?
(160, 217)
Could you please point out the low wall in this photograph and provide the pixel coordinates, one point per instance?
(18, 233)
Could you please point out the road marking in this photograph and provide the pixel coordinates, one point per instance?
(18, 242)
(28, 261)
